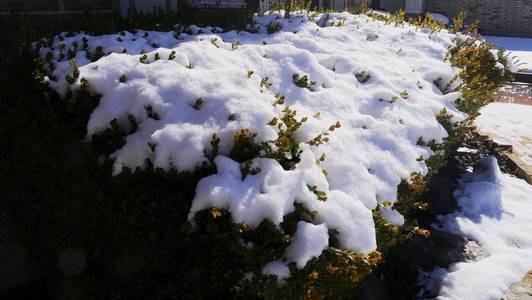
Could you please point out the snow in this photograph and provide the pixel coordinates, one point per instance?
(496, 212)
(308, 242)
(250, 200)
(441, 18)
(509, 124)
(277, 268)
(391, 215)
(466, 150)
(218, 83)
(521, 48)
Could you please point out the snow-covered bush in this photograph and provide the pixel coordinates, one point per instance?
(219, 180)
(481, 72)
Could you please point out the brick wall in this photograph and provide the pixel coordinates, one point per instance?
(496, 17)
(55, 5)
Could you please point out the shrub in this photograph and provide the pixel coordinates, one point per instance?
(303, 81)
(363, 76)
(459, 24)
(334, 275)
(427, 21)
(395, 18)
(274, 26)
(481, 72)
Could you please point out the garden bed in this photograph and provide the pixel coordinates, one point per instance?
(165, 160)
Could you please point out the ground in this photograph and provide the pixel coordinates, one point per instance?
(509, 124)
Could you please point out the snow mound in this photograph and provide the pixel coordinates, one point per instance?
(271, 194)
(497, 214)
(375, 79)
(308, 242)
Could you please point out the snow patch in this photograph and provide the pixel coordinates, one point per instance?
(391, 215)
(496, 212)
(277, 268)
(509, 124)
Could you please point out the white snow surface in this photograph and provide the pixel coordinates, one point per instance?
(277, 268)
(271, 193)
(392, 215)
(496, 212)
(308, 242)
(366, 158)
(509, 124)
(521, 48)
(441, 18)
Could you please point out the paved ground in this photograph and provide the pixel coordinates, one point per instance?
(519, 94)
(506, 125)
(521, 290)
